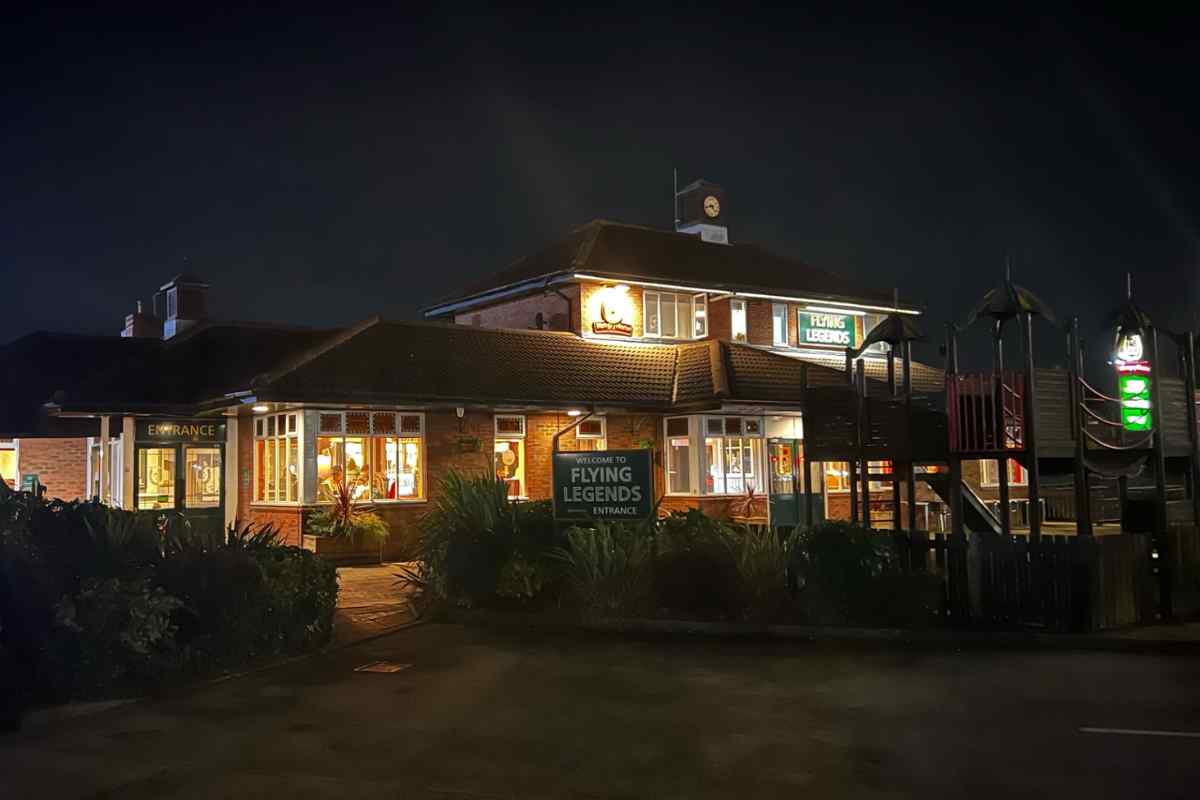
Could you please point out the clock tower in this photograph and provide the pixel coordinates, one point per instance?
(700, 209)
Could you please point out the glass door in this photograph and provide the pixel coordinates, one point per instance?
(156, 478)
(782, 462)
(201, 477)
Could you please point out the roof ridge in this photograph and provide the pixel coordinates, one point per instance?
(312, 353)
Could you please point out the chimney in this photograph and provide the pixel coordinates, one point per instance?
(700, 209)
(181, 303)
(140, 325)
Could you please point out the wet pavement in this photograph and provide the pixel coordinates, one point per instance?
(455, 712)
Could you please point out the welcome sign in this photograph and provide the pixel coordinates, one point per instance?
(606, 484)
(840, 330)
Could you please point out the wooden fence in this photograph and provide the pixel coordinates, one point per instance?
(1064, 583)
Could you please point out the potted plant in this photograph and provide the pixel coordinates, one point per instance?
(354, 526)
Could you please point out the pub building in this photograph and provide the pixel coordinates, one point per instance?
(686, 343)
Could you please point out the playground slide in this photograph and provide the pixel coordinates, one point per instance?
(977, 517)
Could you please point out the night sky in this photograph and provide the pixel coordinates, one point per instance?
(317, 169)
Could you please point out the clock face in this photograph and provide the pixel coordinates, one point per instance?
(712, 207)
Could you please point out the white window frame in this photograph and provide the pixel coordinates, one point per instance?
(259, 433)
(989, 476)
(519, 438)
(697, 314)
(693, 488)
(579, 434)
(779, 311)
(398, 432)
(737, 310)
(876, 467)
(743, 428)
(506, 434)
(115, 457)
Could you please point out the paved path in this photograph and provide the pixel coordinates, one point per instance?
(370, 602)
(480, 714)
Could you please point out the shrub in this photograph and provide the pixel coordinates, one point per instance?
(95, 599)
(763, 556)
(608, 568)
(695, 566)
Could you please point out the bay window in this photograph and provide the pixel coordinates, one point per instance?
(276, 459)
(377, 455)
(669, 315)
(509, 453)
(725, 452)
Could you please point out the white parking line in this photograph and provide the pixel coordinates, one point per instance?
(1132, 732)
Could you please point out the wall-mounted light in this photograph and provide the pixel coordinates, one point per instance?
(459, 412)
(260, 408)
(574, 412)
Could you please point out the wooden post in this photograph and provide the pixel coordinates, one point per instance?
(1083, 494)
(852, 476)
(105, 465)
(1188, 345)
(909, 473)
(956, 515)
(1032, 471)
(806, 483)
(1158, 455)
(865, 467)
(1001, 431)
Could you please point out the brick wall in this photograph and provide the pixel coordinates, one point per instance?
(972, 472)
(60, 464)
(719, 320)
(522, 312)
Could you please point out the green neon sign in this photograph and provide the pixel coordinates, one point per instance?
(1135, 402)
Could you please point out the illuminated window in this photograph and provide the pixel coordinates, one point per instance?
(733, 455)
(276, 459)
(737, 320)
(989, 476)
(8, 462)
(509, 453)
(377, 455)
(674, 316)
(779, 324)
(590, 434)
(837, 475)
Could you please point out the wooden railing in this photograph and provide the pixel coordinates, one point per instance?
(974, 405)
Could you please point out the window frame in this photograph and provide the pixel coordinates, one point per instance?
(737, 308)
(258, 433)
(522, 478)
(990, 477)
(696, 306)
(878, 467)
(15, 446)
(776, 316)
(397, 432)
(702, 428)
(579, 434)
(693, 488)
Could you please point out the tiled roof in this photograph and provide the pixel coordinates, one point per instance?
(926, 379)
(397, 362)
(611, 249)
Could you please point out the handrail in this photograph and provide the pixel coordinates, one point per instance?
(1096, 391)
(1097, 417)
(1106, 446)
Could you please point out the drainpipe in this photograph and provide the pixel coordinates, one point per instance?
(570, 314)
(554, 449)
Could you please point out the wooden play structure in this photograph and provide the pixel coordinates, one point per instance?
(1141, 444)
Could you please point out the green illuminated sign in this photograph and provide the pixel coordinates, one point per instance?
(827, 329)
(1135, 402)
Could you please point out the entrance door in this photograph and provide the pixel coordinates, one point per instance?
(784, 494)
(187, 478)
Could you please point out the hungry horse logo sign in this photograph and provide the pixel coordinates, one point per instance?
(614, 308)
